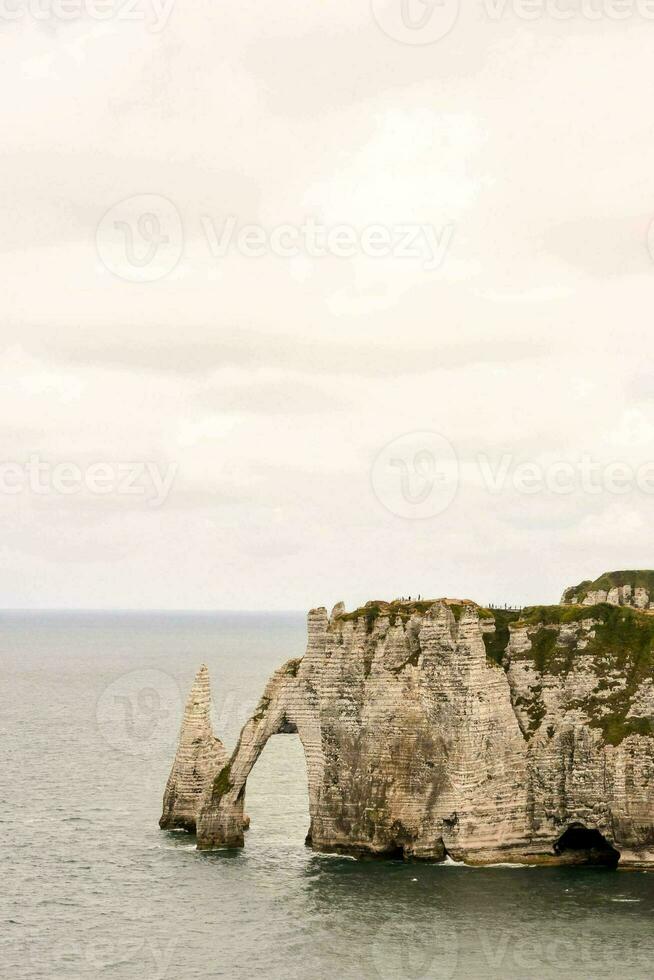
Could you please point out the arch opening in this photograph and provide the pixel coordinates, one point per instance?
(277, 792)
(584, 845)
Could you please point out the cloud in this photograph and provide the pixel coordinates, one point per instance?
(272, 383)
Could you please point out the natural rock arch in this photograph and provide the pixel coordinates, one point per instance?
(424, 735)
(399, 722)
(281, 711)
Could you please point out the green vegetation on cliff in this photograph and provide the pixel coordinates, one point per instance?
(617, 644)
(621, 644)
(397, 609)
(619, 627)
(222, 783)
(637, 578)
(404, 609)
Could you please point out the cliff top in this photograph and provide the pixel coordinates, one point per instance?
(615, 643)
(405, 608)
(618, 640)
(636, 578)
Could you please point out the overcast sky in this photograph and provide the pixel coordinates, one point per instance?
(269, 385)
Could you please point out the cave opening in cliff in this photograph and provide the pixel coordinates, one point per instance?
(583, 845)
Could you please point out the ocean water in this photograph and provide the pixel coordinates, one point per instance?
(90, 706)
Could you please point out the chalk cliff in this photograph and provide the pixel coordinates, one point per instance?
(635, 588)
(199, 757)
(441, 728)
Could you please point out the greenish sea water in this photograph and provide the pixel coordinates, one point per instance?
(90, 705)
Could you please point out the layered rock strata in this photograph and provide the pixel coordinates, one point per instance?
(200, 755)
(440, 728)
(635, 589)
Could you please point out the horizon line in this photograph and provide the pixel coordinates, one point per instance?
(135, 609)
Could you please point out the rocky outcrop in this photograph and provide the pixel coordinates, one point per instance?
(199, 756)
(635, 589)
(440, 728)
(584, 700)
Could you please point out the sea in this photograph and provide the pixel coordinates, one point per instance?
(90, 708)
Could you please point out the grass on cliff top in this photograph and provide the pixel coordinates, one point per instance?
(403, 609)
(637, 578)
(606, 612)
(623, 647)
(624, 634)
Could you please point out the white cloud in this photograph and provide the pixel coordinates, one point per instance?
(272, 383)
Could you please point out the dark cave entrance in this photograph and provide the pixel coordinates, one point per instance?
(580, 845)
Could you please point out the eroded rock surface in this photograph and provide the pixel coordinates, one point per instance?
(629, 588)
(199, 756)
(439, 728)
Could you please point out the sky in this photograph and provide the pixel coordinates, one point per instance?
(308, 302)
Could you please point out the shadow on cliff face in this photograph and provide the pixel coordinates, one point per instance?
(579, 845)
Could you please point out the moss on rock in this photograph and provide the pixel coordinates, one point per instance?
(222, 783)
(621, 647)
(262, 707)
(401, 610)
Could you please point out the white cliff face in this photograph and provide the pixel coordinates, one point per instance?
(419, 744)
(590, 747)
(199, 756)
(411, 742)
(623, 591)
